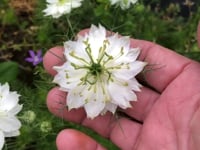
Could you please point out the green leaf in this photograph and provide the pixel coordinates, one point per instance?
(8, 71)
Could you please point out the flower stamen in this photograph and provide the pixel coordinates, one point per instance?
(78, 58)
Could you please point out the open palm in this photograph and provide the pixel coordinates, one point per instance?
(168, 111)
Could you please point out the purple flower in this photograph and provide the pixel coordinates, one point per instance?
(35, 58)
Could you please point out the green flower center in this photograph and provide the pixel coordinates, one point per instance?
(95, 69)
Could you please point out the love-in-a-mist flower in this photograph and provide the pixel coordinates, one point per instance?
(124, 4)
(57, 8)
(35, 57)
(9, 107)
(99, 73)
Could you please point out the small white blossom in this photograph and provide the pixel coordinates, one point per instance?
(28, 116)
(9, 107)
(99, 73)
(124, 4)
(57, 8)
(46, 126)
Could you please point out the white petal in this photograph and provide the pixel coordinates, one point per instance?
(2, 139)
(96, 43)
(134, 85)
(116, 44)
(63, 9)
(67, 77)
(15, 110)
(94, 108)
(12, 133)
(137, 67)
(76, 4)
(133, 54)
(78, 50)
(95, 98)
(52, 1)
(9, 123)
(122, 95)
(128, 73)
(10, 101)
(109, 107)
(4, 89)
(75, 99)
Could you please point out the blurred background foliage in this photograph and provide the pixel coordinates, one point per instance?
(23, 27)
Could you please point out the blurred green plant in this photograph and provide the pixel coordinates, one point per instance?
(9, 71)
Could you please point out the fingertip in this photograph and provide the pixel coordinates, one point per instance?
(69, 139)
(53, 57)
(56, 103)
(83, 32)
(56, 99)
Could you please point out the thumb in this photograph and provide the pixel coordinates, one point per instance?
(70, 139)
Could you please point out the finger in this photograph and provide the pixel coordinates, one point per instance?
(106, 125)
(141, 108)
(53, 57)
(70, 139)
(56, 103)
(83, 32)
(167, 65)
(122, 132)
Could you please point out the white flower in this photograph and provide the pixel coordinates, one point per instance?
(9, 107)
(57, 8)
(124, 4)
(46, 126)
(100, 71)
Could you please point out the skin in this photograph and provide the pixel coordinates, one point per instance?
(169, 111)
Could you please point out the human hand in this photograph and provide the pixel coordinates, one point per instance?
(169, 112)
